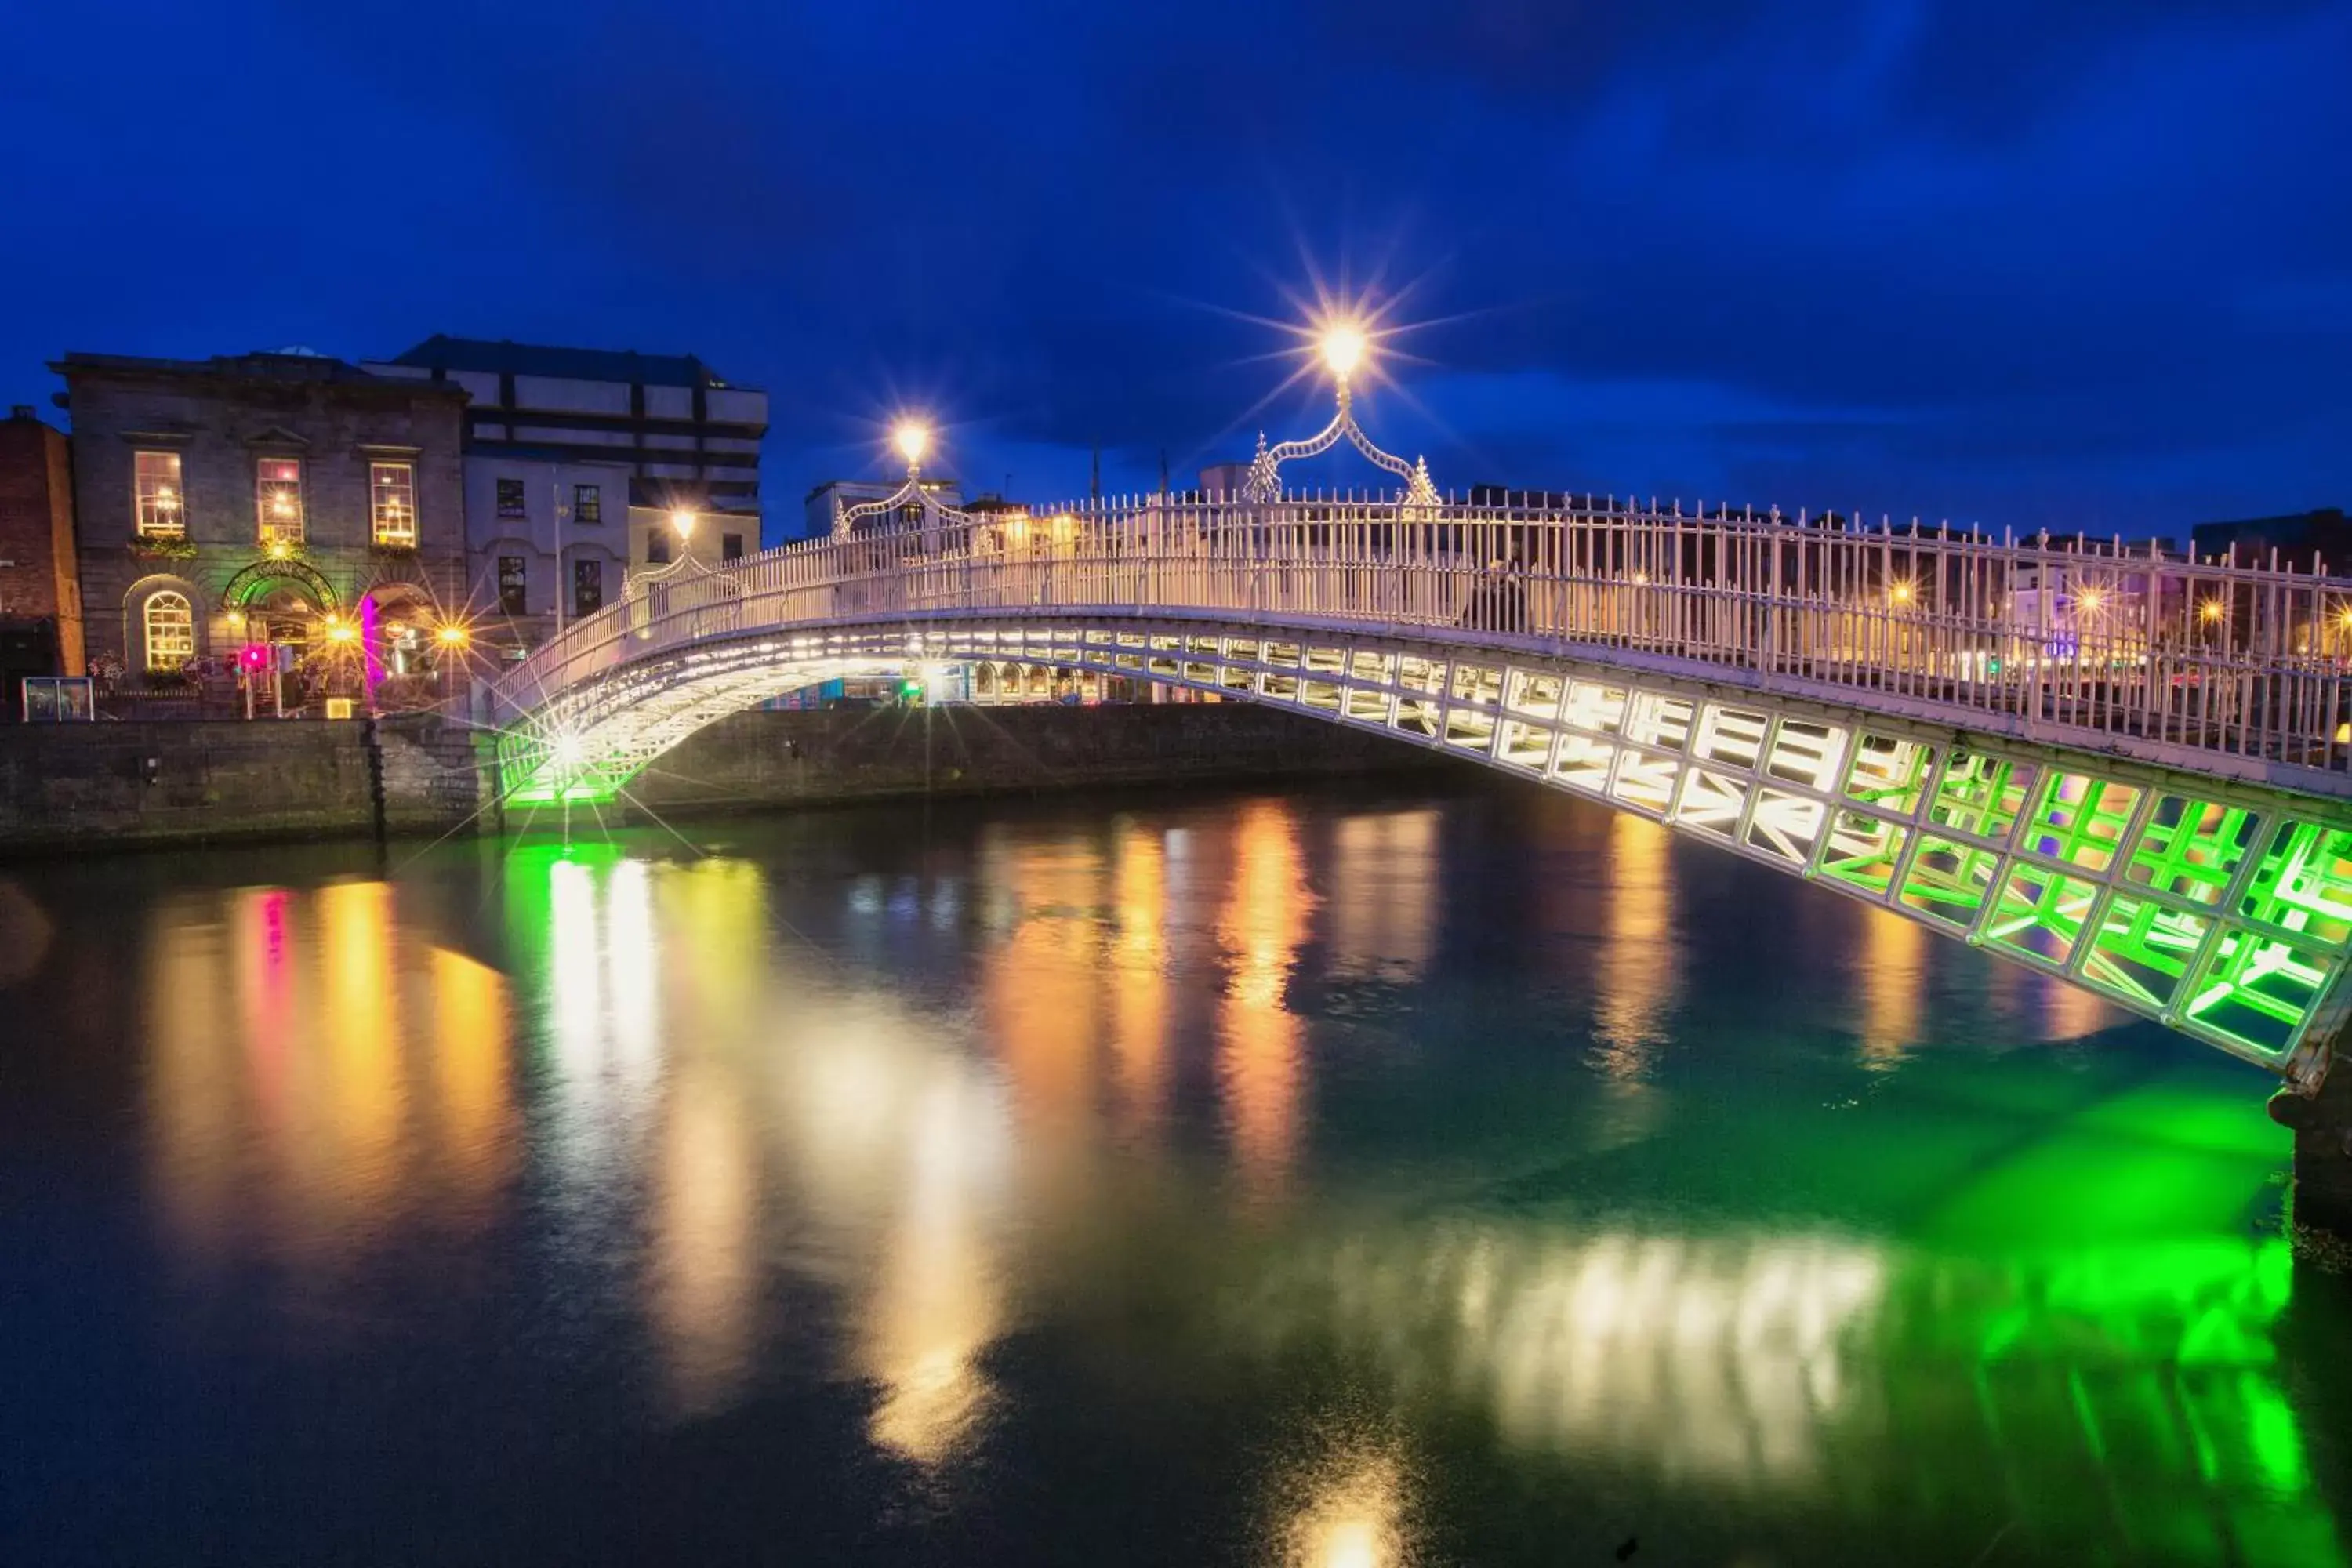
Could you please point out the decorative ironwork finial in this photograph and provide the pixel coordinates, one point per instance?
(1343, 348)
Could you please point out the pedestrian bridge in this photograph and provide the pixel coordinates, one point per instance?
(2127, 771)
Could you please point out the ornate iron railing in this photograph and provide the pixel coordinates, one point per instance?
(2080, 642)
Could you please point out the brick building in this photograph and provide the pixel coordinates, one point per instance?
(284, 499)
(41, 587)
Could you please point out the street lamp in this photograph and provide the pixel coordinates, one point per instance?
(684, 521)
(913, 439)
(1343, 347)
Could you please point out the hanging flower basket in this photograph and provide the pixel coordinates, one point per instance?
(158, 548)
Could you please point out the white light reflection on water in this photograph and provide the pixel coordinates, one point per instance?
(1723, 1358)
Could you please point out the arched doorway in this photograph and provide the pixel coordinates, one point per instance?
(292, 642)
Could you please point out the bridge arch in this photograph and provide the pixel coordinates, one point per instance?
(2214, 906)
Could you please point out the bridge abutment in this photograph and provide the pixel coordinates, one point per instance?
(2322, 1124)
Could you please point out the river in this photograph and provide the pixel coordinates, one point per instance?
(1348, 1176)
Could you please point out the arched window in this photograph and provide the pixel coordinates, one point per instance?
(170, 631)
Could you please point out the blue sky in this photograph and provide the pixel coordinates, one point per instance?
(2086, 265)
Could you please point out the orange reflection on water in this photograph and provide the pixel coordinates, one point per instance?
(1043, 980)
(1637, 973)
(294, 1104)
(1350, 1512)
(1382, 922)
(705, 1209)
(938, 1302)
(364, 1093)
(474, 1102)
(1893, 980)
(1263, 923)
(693, 940)
(1140, 978)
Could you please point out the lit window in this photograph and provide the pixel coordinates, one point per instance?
(170, 631)
(511, 499)
(161, 511)
(391, 493)
(277, 491)
(587, 506)
(513, 585)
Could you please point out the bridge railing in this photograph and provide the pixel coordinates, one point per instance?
(2212, 655)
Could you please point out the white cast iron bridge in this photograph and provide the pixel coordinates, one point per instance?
(2125, 770)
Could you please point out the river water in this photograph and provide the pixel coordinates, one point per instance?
(1344, 1176)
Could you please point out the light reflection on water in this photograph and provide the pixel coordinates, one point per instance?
(1419, 1113)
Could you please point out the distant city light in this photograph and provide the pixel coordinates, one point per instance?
(1900, 592)
(452, 635)
(2091, 601)
(2210, 611)
(341, 631)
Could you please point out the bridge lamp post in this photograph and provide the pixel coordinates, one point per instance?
(913, 439)
(684, 521)
(1343, 347)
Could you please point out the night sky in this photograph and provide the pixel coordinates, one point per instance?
(2045, 263)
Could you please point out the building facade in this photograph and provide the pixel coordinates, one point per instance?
(575, 461)
(2324, 535)
(265, 501)
(40, 583)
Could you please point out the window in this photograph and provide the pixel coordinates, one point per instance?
(586, 505)
(160, 513)
(392, 496)
(731, 547)
(514, 598)
(656, 546)
(510, 501)
(587, 587)
(171, 628)
(278, 493)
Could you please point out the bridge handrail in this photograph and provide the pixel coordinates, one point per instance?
(2250, 660)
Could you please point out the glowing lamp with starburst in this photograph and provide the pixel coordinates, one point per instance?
(1343, 347)
(913, 439)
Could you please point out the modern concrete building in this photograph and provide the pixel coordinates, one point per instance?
(576, 458)
(282, 499)
(40, 583)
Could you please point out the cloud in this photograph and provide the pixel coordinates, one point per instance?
(2000, 256)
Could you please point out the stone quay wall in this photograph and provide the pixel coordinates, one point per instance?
(82, 787)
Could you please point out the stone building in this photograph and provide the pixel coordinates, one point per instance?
(40, 589)
(581, 463)
(282, 499)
